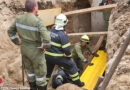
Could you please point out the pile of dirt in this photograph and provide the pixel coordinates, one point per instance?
(69, 86)
(10, 59)
(119, 26)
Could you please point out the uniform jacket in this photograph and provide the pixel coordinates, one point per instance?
(77, 51)
(30, 28)
(60, 45)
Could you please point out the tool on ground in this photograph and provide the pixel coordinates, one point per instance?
(23, 72)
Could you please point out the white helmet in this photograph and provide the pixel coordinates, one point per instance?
(61, 20)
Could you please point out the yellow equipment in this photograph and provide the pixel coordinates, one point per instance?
(91, 74)
(48, 16)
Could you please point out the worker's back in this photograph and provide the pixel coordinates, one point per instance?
(60, 44)
(28, 27)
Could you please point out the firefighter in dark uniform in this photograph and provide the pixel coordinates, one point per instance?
(34, 36)
(59, 53)
(60, 77)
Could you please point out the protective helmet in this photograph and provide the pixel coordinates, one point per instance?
(61, 20)
(85, 38)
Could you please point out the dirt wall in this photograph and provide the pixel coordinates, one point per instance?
(119, 26)
(10, 59)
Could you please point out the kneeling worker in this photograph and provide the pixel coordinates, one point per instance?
(60, 77)
(59, 53)
(78, 49)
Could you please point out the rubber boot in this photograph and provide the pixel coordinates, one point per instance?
(79, 83)
(89, 63)
(32, 85)
(42, 87)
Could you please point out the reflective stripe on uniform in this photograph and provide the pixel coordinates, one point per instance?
(31, 75)
(55, 44)
(41, 79)
(59, 77)
(53, 54)
(47, 79)
(13, 37)
(74, 79)
(27, 27)
(69, 55)
(74, 75)
(66, 45)
(62, 68)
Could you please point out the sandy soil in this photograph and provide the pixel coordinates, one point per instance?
(118, 30)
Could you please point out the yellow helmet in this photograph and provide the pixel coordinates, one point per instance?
(85, 38)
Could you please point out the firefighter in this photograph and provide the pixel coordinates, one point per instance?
(60, 77)
(59, 53)
(34, 37)
(77, 54)
(106, 16)
(106, 13)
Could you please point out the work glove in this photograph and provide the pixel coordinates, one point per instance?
(95, 54)
(84, 60)
(16, 41)
(89, 63)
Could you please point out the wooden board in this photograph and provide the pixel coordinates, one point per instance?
(97, 46)
(92, 9)
(88, 33)
(48, 15)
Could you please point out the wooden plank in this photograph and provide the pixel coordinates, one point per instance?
(88, 33)
(92, 9)
(48, 15)
(100, 79)
(97, 46)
